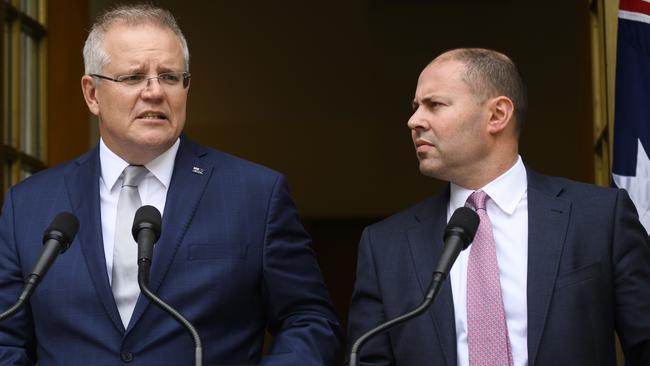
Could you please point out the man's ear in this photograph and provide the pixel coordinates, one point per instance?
(501, 114)
(89, 89)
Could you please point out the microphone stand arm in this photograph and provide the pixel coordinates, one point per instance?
(30, 286)
(144, 267)
(432, 293)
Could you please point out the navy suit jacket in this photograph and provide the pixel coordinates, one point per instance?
(233, 258)
(588, 276)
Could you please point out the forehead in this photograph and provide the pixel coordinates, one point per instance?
(133, 45)
(443, 75)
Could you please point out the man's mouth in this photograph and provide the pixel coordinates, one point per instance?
(420, 142)
(152, 115)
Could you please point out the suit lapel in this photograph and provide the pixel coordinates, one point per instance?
(189, 180)
(425, 241)
(83, 189)
(548, 217)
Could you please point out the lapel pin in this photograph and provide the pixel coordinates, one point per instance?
(197, 170)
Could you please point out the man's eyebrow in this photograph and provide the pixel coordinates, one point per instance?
(163, 69)
(137, 69)
(424, 100)
(430, 97)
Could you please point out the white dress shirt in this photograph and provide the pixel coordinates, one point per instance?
(152, 189)
(508, 212)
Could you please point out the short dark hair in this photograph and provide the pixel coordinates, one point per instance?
(490, 73)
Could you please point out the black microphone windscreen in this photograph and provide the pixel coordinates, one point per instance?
(147, 217)
(65, 223)
(463, 221)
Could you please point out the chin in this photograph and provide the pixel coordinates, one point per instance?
(430, 170)
(157, 139)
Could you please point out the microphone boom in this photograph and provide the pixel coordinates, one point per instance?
(146, 232)
(459, 233)
(57, 239)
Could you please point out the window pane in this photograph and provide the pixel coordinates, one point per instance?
(29, 96)
(30, 7)
(23, 77)
(7, 85)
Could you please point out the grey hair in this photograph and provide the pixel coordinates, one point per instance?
(95, 56)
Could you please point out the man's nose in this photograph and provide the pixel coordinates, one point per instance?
(417, 121)
(153, 88)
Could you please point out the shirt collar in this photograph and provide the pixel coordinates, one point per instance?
(162, 167)
(112, 165)
(506, 190)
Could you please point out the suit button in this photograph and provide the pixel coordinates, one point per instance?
(126, 356)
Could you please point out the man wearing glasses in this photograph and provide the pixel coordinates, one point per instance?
(232, 257)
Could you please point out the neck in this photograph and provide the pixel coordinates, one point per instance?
(486, 173)
(136, 155)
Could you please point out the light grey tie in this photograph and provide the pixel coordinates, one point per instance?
(125, 251)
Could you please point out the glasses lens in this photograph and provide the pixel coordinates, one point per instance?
(166, 79)
(132, 79)
(170, 78)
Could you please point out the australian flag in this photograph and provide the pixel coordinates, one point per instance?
(631, 166)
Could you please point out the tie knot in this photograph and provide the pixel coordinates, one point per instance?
(478, 200)
(133, 174)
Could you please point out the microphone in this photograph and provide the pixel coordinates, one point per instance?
(459, 233)
(146, 232)
(57, 239)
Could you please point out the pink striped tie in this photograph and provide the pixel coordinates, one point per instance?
(487, 331)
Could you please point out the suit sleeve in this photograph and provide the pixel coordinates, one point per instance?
(366, 309)
(301, 316)
(17, 340)
(631, 256)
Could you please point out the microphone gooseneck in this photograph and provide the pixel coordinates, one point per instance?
(459, 233)
(146, 232)
(56, 239)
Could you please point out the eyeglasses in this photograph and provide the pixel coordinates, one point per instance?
(172, 79)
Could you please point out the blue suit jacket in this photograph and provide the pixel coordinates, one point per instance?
(233, 258)
(588, 275)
